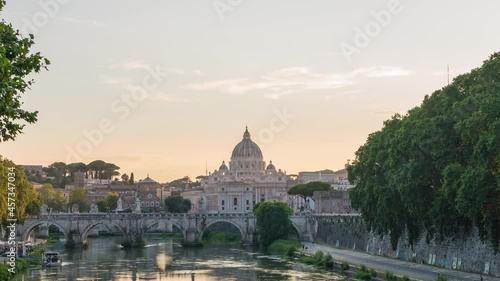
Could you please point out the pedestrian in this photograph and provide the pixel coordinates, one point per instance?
(303, 246)
(480, 277)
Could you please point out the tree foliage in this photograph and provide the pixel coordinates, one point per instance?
(79, 197)
(307, 189)
(17, 62)
(177, 204)
(54, 198)
(437, 167)
(273, 221)
(13, 180)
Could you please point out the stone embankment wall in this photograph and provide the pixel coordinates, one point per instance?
(467, 253)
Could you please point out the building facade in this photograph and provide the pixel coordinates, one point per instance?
(245, 182)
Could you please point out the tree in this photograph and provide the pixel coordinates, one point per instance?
(273, 221)
(54, 198)
(125, 178)
(102, 206)
(111, 200)
(177, 204)
(110, 170)
(132, 180)
(180, 183)
(307, 190)
(14, 185)
(437, 168)
(79, 196)
(17, 62)
(96, 167)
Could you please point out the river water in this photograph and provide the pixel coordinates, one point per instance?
(165, 259)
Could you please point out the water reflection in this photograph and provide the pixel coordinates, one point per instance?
(165, 259)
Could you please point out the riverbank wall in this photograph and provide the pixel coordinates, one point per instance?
(467, 253)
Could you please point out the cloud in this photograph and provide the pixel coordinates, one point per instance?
(85, 22)
(292, 80)
(160, 96)
(114, 80)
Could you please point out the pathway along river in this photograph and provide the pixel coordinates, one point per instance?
(165, 259)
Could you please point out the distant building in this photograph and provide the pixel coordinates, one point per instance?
(33, 169)
(79, 179)
(247, 169)
(336, 201)
(324, 176)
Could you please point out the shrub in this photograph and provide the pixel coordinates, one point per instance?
(327, 261)
(373, 272)
(317, 257)
(363, 268)
(306, 260)
(344, 266)
(362, 275)
(284, 247)
(405, 278)
(4, 272)
(441, 277)
(390, 276)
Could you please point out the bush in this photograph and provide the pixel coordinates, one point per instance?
(441, 277)
(373, 272)
(284, 247)
(390, 276)
(306, 259)
(21, 265)
(4, 272)
(344, 266)
(405, 278)
(327, 261)
(362, 275)
(317, 257)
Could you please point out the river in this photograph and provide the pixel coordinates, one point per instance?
(165, 259)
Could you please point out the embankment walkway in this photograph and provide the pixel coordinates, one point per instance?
(399, 267)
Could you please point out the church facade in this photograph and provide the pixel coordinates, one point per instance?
(245, 182)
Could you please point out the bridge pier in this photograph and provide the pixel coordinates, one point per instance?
(192, 239)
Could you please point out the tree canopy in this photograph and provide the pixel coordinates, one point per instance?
(54, 198)
(13, 181)
(17, 62)
(437, 167)
(273, 221)
(307, 189)
(177, 204)
(79, 197)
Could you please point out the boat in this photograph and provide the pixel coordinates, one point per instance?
(50, 259)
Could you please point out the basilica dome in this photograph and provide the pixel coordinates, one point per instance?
(246, 148)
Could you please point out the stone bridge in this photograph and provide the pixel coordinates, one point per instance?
(76, 227)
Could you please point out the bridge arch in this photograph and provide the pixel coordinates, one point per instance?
(149, 226)
(212, 222)
(296, 229)
(107, 224)
(28, 229)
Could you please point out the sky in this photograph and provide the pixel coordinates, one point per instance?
(166, 88)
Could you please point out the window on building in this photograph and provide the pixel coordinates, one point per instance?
(235, 201)
(157, 204)
(248, 202)
(222, 204)
(142, 204)
(248, 208)
(223, 208)
(147, 204)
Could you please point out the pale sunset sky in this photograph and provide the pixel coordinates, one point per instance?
(171, 85)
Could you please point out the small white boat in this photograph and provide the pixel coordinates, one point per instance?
(51, 259)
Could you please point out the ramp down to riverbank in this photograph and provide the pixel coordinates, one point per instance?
(399, 267)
